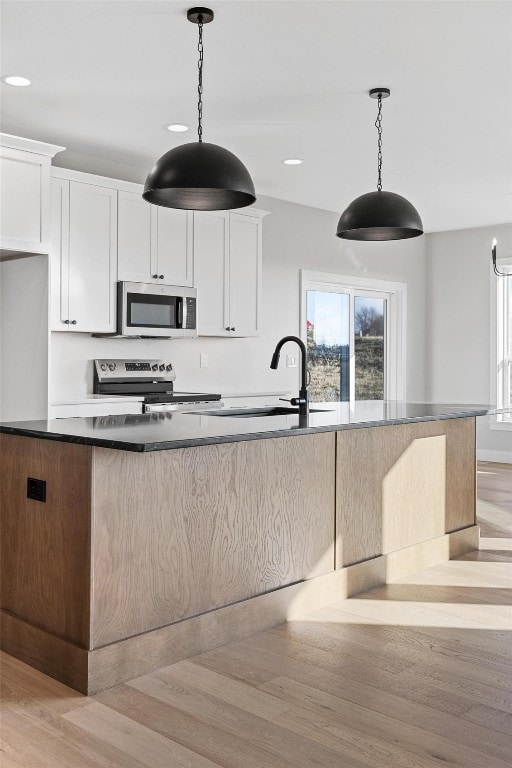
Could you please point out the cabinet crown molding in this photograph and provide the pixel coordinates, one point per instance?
(29, 145)
(131, 186)
(98, 181)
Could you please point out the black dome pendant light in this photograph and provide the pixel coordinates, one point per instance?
(199, 176)
(379, 215)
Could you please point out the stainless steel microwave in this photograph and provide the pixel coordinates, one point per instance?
(150, 309)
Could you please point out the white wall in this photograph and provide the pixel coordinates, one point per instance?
(294, 237)
(24, 338)
(461, 325)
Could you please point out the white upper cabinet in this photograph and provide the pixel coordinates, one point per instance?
(227, 270)
(25, 194)
(83, 256)
(154, 243)
(244, 274)
(59, 255)
(211, 271)
(103, 231)
(134, 256)
(172, 245)
(92, 257)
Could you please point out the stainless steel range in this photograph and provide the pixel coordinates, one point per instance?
(152, 379)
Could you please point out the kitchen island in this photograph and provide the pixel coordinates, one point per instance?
(163, 535)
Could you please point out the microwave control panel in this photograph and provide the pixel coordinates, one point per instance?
(191, 317)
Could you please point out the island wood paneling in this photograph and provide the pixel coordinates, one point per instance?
(178, 533)
(45, 547)
(58, 658)
(399, 485)
(94, 670)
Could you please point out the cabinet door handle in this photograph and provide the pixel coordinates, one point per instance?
(161, 277)
(73, 322)
(155, 277)
(233, 328)
(66, 322)
(228, 328)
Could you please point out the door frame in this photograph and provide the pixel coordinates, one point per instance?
(395, 333)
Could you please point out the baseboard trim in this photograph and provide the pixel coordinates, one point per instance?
(49, 654)
(101, 668)
(500, 457)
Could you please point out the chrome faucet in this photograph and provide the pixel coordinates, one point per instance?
(303, 399)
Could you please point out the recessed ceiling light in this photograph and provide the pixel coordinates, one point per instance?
(176, 127)
(16, 80)
(293, 161)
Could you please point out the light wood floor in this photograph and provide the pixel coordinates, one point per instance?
(411, 675)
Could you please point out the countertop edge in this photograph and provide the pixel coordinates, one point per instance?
(147, 447)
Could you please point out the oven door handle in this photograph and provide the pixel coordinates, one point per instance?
(179, 312)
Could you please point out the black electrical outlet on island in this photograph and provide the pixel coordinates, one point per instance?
(36, 489)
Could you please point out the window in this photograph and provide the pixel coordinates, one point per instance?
(504, 345)
(355, 338)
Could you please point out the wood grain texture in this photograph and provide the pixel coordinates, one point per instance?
(45, 547)
(178, 533)
(415, 674)
(115, 663)
(134, 656)
(400, 485)
(495, 501)
(126, 659)
(58, 658)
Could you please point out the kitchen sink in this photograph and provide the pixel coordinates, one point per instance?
(247, 413)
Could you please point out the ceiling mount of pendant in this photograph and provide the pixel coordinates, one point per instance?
(200, 15)
(379, 93)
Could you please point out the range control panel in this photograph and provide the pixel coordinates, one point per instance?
(134, 370)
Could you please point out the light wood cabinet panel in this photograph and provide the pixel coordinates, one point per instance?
(182, 532)
(137, 560)
(45, 547)
(400, 485)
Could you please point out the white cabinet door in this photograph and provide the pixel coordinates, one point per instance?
(92, 257)
(25, 194)
(155, 244)
(59, 255)
(25, 188)
(211, 272)
(172, 245)
(244, 274)
(134, 255)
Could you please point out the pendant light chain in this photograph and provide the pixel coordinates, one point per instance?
(378, 125)
(199, 175)
(200, 83)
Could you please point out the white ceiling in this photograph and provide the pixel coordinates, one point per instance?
(282, 79)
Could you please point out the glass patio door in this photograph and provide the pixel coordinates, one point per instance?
(347, 334)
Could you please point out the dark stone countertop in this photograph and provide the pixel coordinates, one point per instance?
(165, 431)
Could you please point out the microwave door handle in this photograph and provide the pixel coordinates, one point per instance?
(179, 319)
